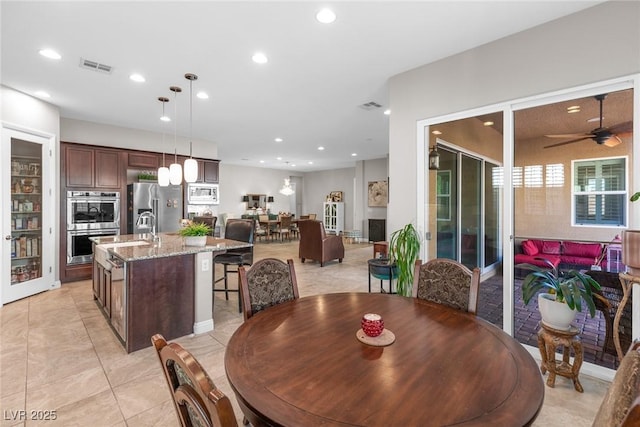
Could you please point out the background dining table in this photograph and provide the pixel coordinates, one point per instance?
(300, 363)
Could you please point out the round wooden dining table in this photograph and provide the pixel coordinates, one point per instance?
(301, 364)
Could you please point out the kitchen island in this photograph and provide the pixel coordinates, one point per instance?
(146, 286)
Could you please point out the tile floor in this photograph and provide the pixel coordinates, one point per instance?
(58, 354)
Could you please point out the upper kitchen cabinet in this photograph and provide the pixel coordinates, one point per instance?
(139, 160)
(90, 167)
(208, 171)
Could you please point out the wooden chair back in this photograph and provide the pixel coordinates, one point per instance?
(197, 400)
(621, 404)
(312, 216)
(209, 220)
(447, 282)
(268, 282)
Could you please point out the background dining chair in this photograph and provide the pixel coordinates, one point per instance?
(268, 282)
(284, 227)
(209, 220)
(236, 229)
(621, 404)
(196, 398)
(447, 282)
(316, 245)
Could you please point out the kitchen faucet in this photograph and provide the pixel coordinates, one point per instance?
(143, 219)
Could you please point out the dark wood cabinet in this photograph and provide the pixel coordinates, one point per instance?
(143, 160)
(89, 167)
(208, 171)
(79, 166)
(108, 169)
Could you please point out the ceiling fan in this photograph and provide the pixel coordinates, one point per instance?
(609, 136)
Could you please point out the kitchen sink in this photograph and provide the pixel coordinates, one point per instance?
(101, 254)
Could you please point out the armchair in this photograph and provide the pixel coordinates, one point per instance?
(315, 244)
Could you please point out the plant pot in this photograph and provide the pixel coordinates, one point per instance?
(631, 251)
(195, 240)
(556, 315)
(380, 269)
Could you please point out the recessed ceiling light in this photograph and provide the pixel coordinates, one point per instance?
(202, 95)
(573, 109)
(387, 112)
(278, 158)
(310, 163)
(278, 140)
(50, 53)
(138, 78)
(488, 123)
(293, 165)
(320, 148)
(261, 161)
(436, 132)
(326, 16)
(42, 94)
(165, 118)
(354, 154)
(259, 58)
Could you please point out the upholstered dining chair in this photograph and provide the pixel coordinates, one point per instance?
(621, 404)
(284, 227)
(236, 229)
(197, 400)
(447, 282)
(268, 282)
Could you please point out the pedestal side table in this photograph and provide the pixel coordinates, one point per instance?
(548, 340)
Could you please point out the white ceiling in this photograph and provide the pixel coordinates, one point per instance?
(308, 93)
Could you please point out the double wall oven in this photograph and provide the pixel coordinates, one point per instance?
(90, 214)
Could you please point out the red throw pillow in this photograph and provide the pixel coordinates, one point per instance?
(529, 248)
(551, 247)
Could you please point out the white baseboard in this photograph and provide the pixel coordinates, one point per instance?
(202, 327)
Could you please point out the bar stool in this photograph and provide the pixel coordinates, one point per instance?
(235, 229)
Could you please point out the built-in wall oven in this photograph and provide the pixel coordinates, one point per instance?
(90, 214)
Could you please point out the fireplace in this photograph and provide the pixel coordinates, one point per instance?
(377, 230)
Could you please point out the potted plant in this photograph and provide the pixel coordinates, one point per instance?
(404, 249)
(195, 233)
(567, 291)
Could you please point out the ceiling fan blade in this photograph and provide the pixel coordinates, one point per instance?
(571, 141)
(621, 128)
(571, 135)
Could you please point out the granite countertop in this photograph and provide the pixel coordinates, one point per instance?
(169, 244)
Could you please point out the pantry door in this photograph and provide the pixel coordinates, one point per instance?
(27, 221)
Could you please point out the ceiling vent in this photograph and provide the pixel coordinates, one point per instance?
(95, 66)
(371, 105)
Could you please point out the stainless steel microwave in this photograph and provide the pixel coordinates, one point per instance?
(203, 194)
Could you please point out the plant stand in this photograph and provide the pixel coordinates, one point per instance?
(381, 269)
(548, 340)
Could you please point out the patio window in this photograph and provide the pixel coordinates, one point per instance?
(599, 192)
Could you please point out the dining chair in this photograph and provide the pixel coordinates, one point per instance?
(197, 400)
(312, 216)
(268, 282)
(244, 231)
(284, 227)
(621, 404)
(447, 282)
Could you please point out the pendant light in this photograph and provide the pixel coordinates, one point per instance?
(175, 170)
(434, 158)
(190, 165)
(286, 189)
(163, 171)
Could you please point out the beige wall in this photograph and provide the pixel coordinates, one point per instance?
(553, 56)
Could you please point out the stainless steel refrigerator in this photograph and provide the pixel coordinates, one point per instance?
(164, 202)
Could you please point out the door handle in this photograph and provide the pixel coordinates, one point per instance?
(7, 237)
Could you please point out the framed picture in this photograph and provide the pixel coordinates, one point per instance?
(335, 196)
(378, 193)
